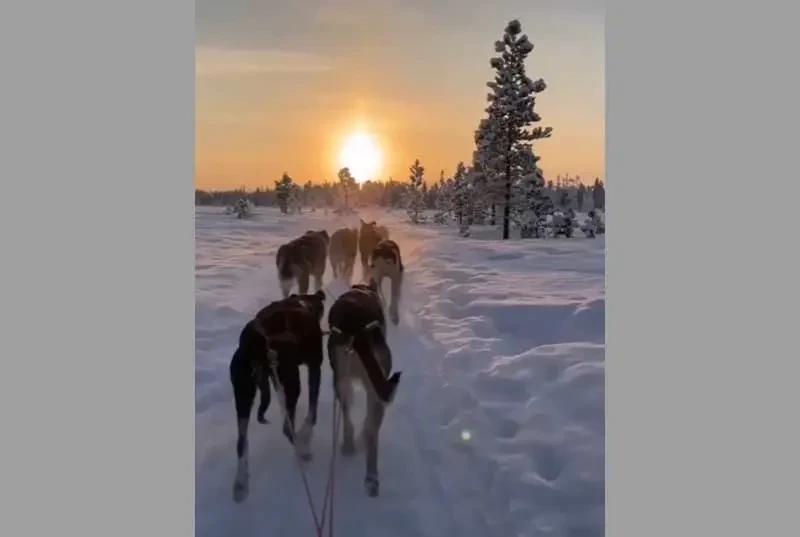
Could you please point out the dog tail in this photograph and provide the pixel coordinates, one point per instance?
(366, 343)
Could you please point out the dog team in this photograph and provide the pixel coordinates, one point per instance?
(287, 334)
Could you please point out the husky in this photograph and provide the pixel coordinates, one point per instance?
(358, 351)
(302, 258)
(369, 237)
(385, 262)
(343, 249)
(283, 336)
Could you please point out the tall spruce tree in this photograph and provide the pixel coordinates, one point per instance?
(347, 183)
(415, 198)
(283, 191)
(506, 133)
(581, 194)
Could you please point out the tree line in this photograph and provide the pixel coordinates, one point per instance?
(389, 194)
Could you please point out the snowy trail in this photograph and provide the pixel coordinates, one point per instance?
(497, 429)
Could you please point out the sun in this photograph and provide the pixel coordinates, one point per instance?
(362, 155)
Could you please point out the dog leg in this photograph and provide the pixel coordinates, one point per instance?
(307, 430)
(244, 391)
(317, 282)
(314, 378)
(344, 391)
(343, 387)
(397, 281)
(290, 382)
(286, 287)
(349, 271)
(265, 399)
(372, 427)
(303, 281)
(365, 272)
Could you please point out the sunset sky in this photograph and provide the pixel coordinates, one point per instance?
(281, 85)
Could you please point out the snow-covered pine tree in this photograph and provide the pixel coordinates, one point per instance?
(581, 194)
(487, 184)
(444, 201)
(462, 200)
(347, 183)
(505, 133)
(414, 195)
(563, 198)
(530, 203)
(283, 190)
(479, 209)
(599, 194)
(295, 199)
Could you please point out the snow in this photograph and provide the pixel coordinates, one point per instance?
(498, 424)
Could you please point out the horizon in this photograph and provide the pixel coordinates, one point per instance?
(280, 88)
(334, 182)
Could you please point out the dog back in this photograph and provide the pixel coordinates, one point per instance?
(353, 318)
(303, 252)
(344, 242)
(297, 317)
(388, 250)
(356, 309)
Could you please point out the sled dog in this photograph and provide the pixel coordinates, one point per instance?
(358, 351)
(283, 336)
(385, 262)
(369, 237)
(302, 258)
(343, 249)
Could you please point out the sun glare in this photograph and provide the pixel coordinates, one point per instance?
(362, 155)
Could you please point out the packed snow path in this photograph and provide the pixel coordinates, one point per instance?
(498, 425)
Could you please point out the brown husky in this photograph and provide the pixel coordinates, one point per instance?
(343, 249)
(369, 237)
(302, 258)
(385, 262)
(358, 351)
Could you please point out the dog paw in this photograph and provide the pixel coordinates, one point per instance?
(240, 491)
(262, 419)
(287, 432)
(372, 486)
(305, 433)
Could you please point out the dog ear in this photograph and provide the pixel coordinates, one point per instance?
(320, 295)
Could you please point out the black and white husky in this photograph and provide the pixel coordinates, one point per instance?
(358, 351)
